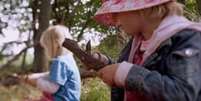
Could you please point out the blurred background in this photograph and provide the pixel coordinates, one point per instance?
(21, 25)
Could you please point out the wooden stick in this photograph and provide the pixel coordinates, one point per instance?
(86, 58)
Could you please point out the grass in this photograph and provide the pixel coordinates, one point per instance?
(92, 90)
(18, 93)
(95, 90)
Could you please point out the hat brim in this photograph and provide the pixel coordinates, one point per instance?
(104, 13)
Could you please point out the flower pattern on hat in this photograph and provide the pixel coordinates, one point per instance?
(103, 15)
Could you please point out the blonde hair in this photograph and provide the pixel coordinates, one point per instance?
(53, 38)
(161, 11)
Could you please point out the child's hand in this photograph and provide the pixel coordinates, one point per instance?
(101, 57)
(26, 79)
(94, 61)
(22, 78)
(107, 74)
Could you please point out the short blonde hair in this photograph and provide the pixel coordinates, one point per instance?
(52, 40)
(161, 11)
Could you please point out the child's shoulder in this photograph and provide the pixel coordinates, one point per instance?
(64, 59)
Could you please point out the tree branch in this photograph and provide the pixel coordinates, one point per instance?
(16, 57)
(11, 42)
(84, 26)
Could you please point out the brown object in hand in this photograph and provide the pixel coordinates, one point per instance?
(86, 58)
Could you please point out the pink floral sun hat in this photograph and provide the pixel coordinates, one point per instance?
(104, 13)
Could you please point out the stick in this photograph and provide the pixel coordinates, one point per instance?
(86, 58)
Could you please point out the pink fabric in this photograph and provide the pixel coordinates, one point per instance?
(122, 73)
(136, 43)
(169, 27)
(104, 13)
(134, 96)
(46, 97)
(137, 59)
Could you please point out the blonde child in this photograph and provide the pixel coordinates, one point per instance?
(62, 82)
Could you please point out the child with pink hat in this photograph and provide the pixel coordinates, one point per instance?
(162, 62)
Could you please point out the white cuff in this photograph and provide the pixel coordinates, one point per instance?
(121, 73)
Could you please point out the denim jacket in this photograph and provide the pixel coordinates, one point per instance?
(171, 73)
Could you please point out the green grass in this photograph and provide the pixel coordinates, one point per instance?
(95, 90)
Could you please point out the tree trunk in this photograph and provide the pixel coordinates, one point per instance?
(199, 6)
(40, 60)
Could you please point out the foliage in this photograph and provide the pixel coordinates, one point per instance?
(191, 10)
(77, 16)
(15, 14)
(95, 90)
(112, 46)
